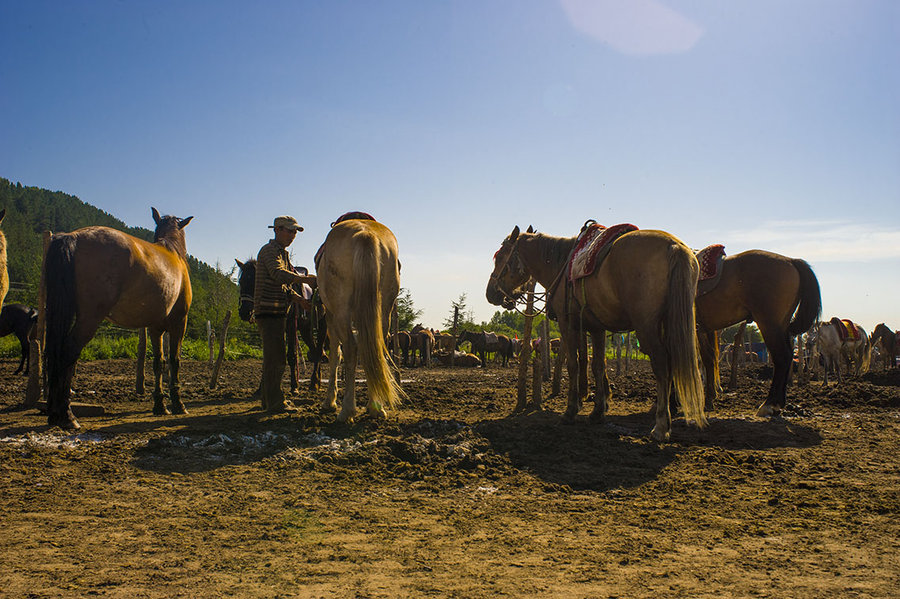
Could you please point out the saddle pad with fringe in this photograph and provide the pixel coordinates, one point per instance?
(710, 259)
(845, 328)
(592, 246)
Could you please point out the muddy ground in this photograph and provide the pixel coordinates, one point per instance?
(451, 496)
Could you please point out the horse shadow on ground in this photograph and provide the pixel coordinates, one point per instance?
(619, 453)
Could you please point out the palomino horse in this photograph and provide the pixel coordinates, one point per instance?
(19, 320)
(309, 323)
(887, 339)
(96, 273)
(483, 343)
(769, 289)
(646, 283)
(359, 279)
(4, 274)
(835, 340)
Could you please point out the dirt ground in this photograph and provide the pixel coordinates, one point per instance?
(451, 496)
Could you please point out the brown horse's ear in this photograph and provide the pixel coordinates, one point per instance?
(530, 229)
(184, 222)
(515, 233)
(239, 263)
(156, 217)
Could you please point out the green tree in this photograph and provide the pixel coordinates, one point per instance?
(466, 316)
(407, 314)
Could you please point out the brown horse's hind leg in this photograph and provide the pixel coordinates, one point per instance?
(779, 345)
(602, 391)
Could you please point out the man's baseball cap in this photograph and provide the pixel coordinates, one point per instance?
(287, 222)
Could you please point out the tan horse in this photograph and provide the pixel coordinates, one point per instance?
(96, 273)
(769, 289)
(359, 279)
(835, 344)
(4, 274)
(647, 283)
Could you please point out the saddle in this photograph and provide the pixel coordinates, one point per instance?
(592, 246)
(846, 329)
(710, 259)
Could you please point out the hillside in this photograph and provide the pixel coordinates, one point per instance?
(30, 211)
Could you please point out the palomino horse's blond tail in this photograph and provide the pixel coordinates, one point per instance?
(367, 307)
(681, 335)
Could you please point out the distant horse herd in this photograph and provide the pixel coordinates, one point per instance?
(644, 281)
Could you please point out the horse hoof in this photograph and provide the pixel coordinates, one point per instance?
(68, 424)
(659, 436)
(179, 409)
(345, 418)
(161, 411)
(767, 411)
(568, 418)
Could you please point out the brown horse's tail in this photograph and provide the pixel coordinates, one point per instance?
(367, 306)
(59, 279)
(680, 333)
(810, 308)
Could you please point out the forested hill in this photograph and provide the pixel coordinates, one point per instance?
(30, 211)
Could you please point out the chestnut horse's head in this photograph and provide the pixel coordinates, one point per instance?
(507, 282)
(246, 286)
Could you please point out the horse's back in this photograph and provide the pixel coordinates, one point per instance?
(135, 281)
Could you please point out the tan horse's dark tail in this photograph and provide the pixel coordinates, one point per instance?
(367, 306)
(810, 308)
(59, 277)
(681, 335)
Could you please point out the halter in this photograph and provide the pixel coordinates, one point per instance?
(517, 301)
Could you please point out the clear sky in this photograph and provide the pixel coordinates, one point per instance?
(755, 124)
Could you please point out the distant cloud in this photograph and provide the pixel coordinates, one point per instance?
(636, 27)
(823, 240)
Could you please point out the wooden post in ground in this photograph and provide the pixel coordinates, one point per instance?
(627, 351)
(141, 357)
(455, 325)
(525, 354)
(34, 389)
(557, 371)
(536, 377)
(214, 377)
(617, 344)
(545, 347)
(210, 341)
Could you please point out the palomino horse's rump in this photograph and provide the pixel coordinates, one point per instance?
(358, 273)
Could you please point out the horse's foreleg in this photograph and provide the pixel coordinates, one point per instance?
(570, 343)
(175, 339)
(159, 406)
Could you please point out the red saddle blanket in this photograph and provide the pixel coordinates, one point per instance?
(845, 329)
(592, 245)
(710, 259)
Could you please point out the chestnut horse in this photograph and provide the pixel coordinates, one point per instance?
(309, 323)
(887, 338)
(4, 274)
(646, 283)
(359, 278)
(96, 273)
(780, 294)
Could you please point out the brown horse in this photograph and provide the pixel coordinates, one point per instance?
(421, 340)
(483, 343)
(888, 340)
(4, 274)
(768, 289)
(96, 273)
(359, 278)
(646, 283)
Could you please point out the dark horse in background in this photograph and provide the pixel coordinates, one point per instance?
(483, 343)
(780, 294)
(887, 338)
(309, 323)
(96, 273)
(19, 320)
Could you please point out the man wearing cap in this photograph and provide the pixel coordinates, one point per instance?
(274, 277)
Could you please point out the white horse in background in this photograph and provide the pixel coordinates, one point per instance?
(855, 350)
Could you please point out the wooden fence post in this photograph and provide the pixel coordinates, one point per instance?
(215, 372)
(141, 357)
(34, 389)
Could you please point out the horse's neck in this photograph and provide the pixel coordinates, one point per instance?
(545, 257)
(175, 244)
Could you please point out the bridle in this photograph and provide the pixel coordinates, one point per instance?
(510, 295)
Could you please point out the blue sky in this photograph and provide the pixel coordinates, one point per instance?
(770, 125)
